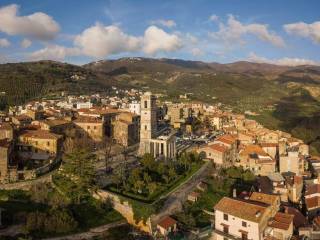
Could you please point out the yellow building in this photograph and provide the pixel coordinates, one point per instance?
(90, 128)
(39, 144)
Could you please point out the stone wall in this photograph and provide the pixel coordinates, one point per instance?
(125, 209)
(26, 185)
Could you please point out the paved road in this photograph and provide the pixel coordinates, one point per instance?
(93, 232)
(178, 196)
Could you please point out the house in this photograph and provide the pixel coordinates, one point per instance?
(279, 186)
(253, 157)
(90, 128)
(312, 200)
(272, 200)
(294, 185)
(217, 153)
(6, 131)
(126, 128)
(271, 148)
(167, 225)
(38, 144)
(243, 219)
(35, 114)
(281, 226)
(292, 162)
(193, 196)
(21, 120)
(58, 126)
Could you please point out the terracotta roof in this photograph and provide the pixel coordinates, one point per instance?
(55, 122)
(312, 189)
(264, 198)
(98, 111)
(253, 149)
(281, 221)
(23, 117)
(299, 219)
(218, 147)
(83, 119)
(269, 145)
(227, 138)
(313, 202)
(242, 209)
(40, 134)
(167, 222)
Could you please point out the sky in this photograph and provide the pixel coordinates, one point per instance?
(283, 32)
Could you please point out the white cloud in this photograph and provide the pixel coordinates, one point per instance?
(155, 40)
(54, 52)
(37, 25)
(234, 30)
(100, 41)
(165, 23)
(4, 42)
(213, 18)
(197, 52)
(305, 30)
(282, 61)
(25, 43)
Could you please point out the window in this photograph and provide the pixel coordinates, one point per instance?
(36, 142)
(145, 104)
(48, 143)
(88, 127)
(226, 229)
(225, 217)
(244, 224)
(95, 127)
(145, 127)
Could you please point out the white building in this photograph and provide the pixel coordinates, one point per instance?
(81, 105)
(135, 108)
(254, 219)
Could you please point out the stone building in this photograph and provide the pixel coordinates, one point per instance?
(158, 142)
(6, 131)
(126, 128)
(90, 128)
(38, 144)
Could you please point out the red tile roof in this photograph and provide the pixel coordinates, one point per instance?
(167, 222)
(281, 221)
(218, 147)
(247, 210)
(299, 219)
(312, 189)
(313, 202)
(40, 134)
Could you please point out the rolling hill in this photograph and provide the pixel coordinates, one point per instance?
(284, 97)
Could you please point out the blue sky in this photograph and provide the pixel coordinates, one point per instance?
(283, 32)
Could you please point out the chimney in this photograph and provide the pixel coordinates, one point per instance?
(234, 193)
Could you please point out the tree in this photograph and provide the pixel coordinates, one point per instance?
(172, 173)
(149, 162)
(152, 187)
(79, 167)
